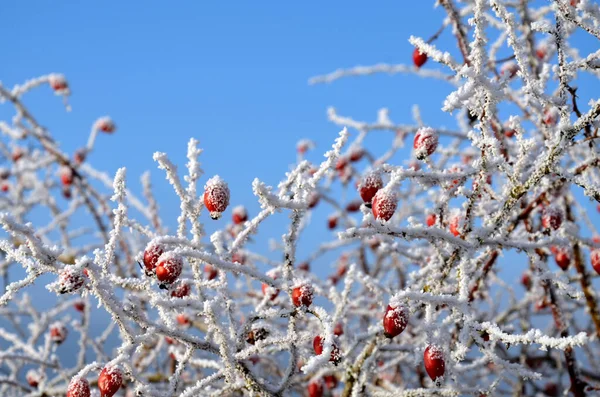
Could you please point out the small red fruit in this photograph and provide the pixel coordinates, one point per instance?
(434, 362)
(394, 321)
(338, 329)
(509, 69)
(78, 387)
(419, 58)
(239, 215)
(341, 163)
(216, 196)
(183, 289)
(5, 187)
(66, 175)
(58, 82)
(151, 255)
(455, 225)
(305, 266)
(526, 280)
(431, 218)
(33, 378)
(425, 143)
(541, 52)
(331, 381)
(106, 124)
(79, 156)
(551, 116)
(562, 258)
(304, 145)
(318, 348)
(369, 185)
(109, 381)
(182, 319)
(384, 205)
(302, 295)
(332, 222)
(313, 199)
(551, 389)
(211, 271)
(70, 280)
(552, 217)
(356, 154)
(595, 257)
(354, 205)
(315, 388)
(79, 306)
(58, 333)
(169, 267)
(270, 291)
(17, 154)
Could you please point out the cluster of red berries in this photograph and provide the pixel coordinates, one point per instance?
(167, 266)
(109, 382)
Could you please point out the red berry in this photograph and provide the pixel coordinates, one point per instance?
(169, 341)
(434, 362)
(354, 205)
(270, 291)
(304, 145)
(425, 143)
(369, 185)
(70, 280)
(302, 295)
(239, 215)
(66, 175)
(169, 267)
(58, 82)
(318, 348)
(151, 255)
(313, 199)
(574, 3)
(394, 321)
(341, 163)
(552, 217)
(5, 186)
(17, 154)
(455, 225)
(79, 306)
(509, 69)
(595, 257)
(211, 271)
(79, 156)
(509, 132)
(58, 332)
(562, 258)
(105, 124)
(33, 378)
(183, 289)
(384, 205)
(431, 218)
(551, 389)
(78, 387)
(330, 381)
(419, 58)
(182, 319)
(216, 196)
(526, 280)
(332, 222)
(338, 329)
(305, 266)
(315, 388)
(109, 381)
(356, 154)
(551, 116)
(238, 257)
(67, 193)
(540, 52)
